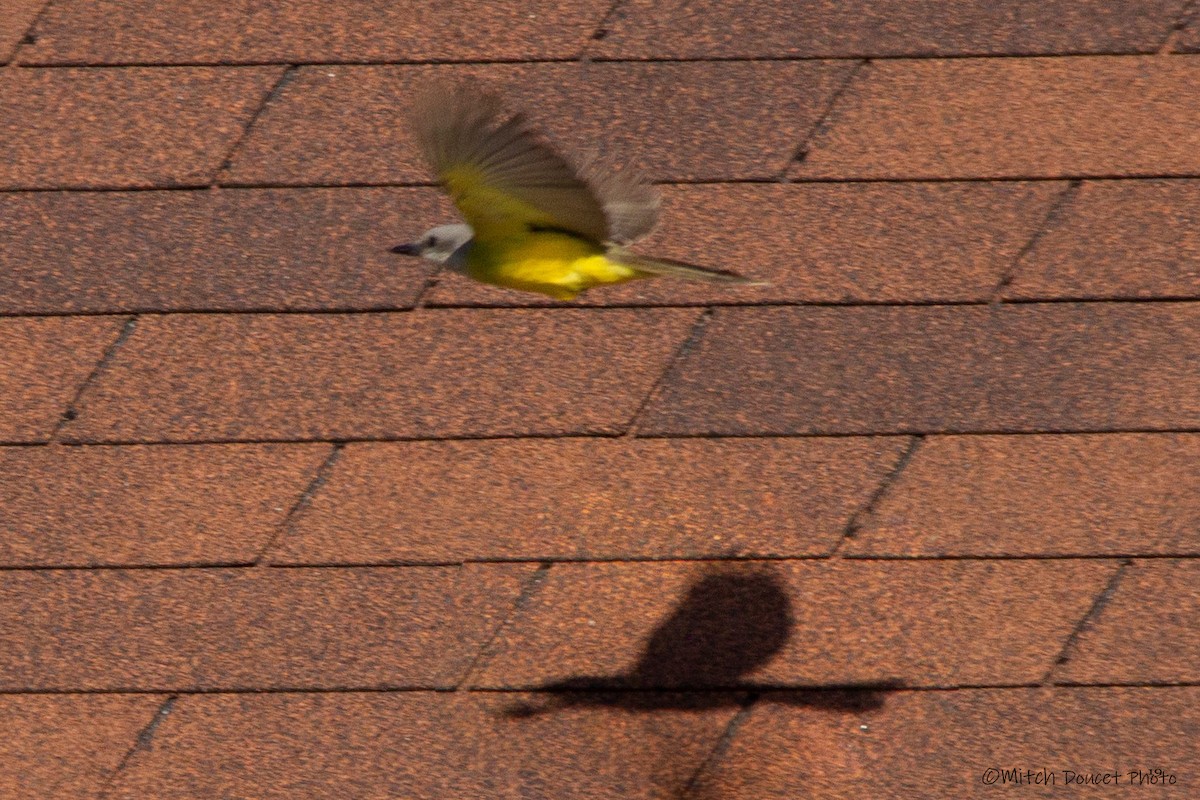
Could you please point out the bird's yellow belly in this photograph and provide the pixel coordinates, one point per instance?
(551, 264)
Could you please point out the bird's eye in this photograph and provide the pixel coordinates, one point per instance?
(431, 241)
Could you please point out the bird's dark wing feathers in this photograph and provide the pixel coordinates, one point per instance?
(458, 128)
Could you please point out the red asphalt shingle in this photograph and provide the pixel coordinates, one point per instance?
(206, 629)
(1114, 494)
(1189, 39)
(208, 504)
(766, 29)
(14, 23)
(381, 746)
(237, 249)
(244, 547)
(43, 363)
(1020, 118)
(65, 747)
(587, 498)
(181, 31)
(1092, 366)
(918, 623)
(94, 128)
(432, 373)
(1118, 239)
(348, 124)
(940, 745)
(1148, 632)
(830, 243)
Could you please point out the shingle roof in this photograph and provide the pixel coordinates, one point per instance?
(284, 517)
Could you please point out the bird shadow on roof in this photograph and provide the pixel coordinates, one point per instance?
(733, 619)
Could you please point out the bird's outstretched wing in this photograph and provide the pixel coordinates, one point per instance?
(505, 181)
(630, 203)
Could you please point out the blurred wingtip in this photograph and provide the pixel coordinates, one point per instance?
(441, 110)
(631, 202)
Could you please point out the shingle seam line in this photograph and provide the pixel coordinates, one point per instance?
(531, 587)
(699, 304)
(763, 690)
(720, 747)
(29, 36)
(544, 561)
(319, 478)
(864, 513)
(602, 28)
(707, 435)
(1058, 211)
(141, 742)
(1187, 13)
(823, 122)
(769, 180)
(689, 342)
(1101, 601)
(977, 55)
(716, 437)
(226, 163)
(71, 412)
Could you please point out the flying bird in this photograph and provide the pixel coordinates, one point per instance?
(533, 223)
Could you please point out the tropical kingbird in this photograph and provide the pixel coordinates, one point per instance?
(534, 223)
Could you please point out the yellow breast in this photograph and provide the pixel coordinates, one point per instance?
(553, 264)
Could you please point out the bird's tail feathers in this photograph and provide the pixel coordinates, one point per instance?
(679, 269)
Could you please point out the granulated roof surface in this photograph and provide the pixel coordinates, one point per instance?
(283, 515)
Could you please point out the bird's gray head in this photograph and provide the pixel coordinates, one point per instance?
(437, 244)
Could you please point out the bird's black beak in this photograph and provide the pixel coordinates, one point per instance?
(410, 249)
